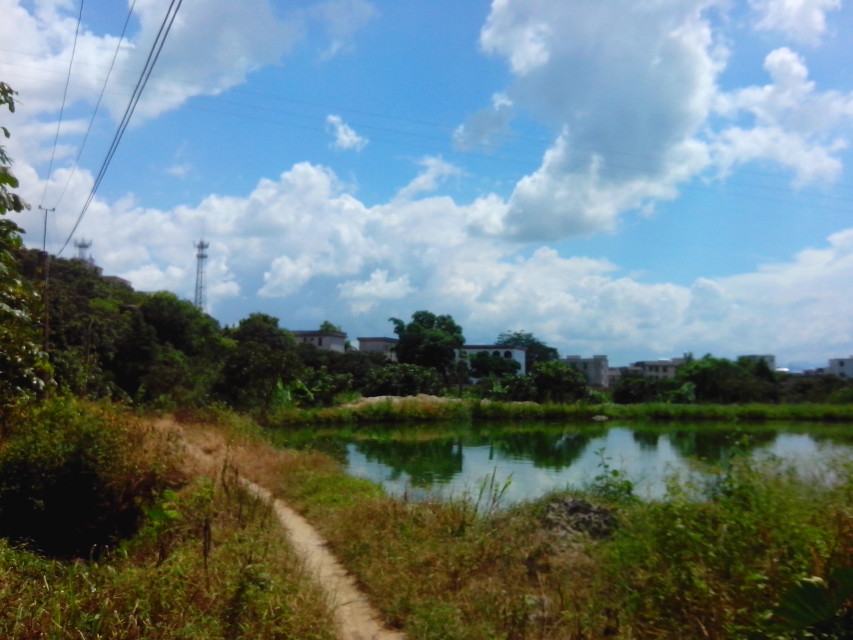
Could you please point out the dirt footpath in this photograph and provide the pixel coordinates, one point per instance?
(355, 617)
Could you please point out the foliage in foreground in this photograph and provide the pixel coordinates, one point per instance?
(208, 560)
(713, 561)
(23, 367)
(721, 558)
(210, 563)
(76, 478)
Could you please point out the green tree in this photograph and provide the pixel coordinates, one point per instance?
(537, 351)
(516, 388)
(90, 319)
(264, 359)
(799, 388)
(180, 323)
(558, 382)
(23, 367)
(759, 368)
(136, 351)
(402, 380)
(722, 381)
(319, 387)
(109, 341)
(356, 364)
(484, 364)
(191, 350)
(428, 341)
(634, 388)
(9, 200)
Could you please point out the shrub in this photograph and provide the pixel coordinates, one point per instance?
(74, 479)
(402, 380)
(722, 563)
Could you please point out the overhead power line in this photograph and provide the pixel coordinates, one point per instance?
(97, 106)
(392, 125)
(62, 107)
(151, 60)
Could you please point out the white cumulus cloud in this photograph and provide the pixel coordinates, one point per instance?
(345, 136)
(435, 171)
(802, 20)
(790, 122)
(627, 109)
(364, 295)
(484, 128)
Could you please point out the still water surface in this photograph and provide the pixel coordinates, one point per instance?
(536, 461)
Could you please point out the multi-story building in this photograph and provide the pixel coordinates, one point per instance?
(596, 369)
(519, 354)
(330, 340)
(385, 346)
(841, 367)
(658, 369)
(614, 375)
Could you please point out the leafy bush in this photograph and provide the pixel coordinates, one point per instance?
(558, 382)
(402, 380)
(23, 367)
(319, 388)
(719, 564)
(74, 479)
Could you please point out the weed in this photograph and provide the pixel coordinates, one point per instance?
(206, 563)
(75, 478)
(708, 560)
(611, 484)
(720, 564)
(473, 409)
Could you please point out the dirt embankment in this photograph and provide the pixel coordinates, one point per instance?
(207, 453)
(421, 398)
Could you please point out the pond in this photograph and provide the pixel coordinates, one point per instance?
(530, 461)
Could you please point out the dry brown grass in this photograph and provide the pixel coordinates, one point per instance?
(435, 570)
(676, 569)
(210, 561)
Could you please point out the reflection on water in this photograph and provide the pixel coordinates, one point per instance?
(423, 463)
(538, 461)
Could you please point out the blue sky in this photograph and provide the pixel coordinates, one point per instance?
(635, 179)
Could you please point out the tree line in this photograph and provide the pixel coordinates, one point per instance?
(80, 333)
(108, 341)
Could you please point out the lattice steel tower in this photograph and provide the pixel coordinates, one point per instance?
(201, 257)
(83, 246)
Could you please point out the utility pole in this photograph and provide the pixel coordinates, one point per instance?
(44, 234)
(44, 258)
(201, 258)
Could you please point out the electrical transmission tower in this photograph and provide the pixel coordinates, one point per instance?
(82, 250)
(201, 257)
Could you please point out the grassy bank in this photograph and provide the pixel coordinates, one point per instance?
(718, 560)
(425, 408)
(754, 552)
(202, 559)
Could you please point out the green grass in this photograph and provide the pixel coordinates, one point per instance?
(717, 558)
(713, 560)
(167, 583)
(722, 564)
(206, 561)
(411, 410)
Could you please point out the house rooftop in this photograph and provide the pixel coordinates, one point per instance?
(491, 346)
(317, 332)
